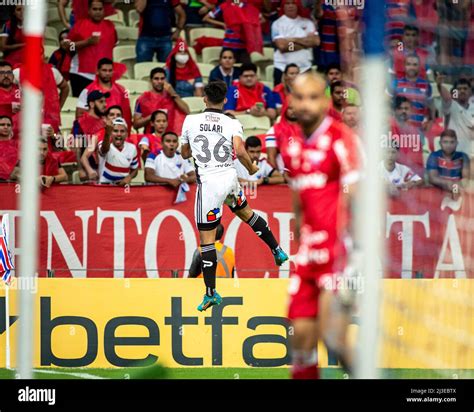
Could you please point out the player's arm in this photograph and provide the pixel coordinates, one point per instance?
(105, 147)
(186, 151)
(275, 178)
(243, 156)
(296, 202)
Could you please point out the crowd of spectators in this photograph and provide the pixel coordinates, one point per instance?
(430, 80)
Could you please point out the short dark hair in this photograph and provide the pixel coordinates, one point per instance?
(334, 84)
(409, 27)
(4, 63)
(4, 116)
(65, 31)
(333, 66)
(399, 100)
(248, 67)
(215, 91)
(226, 50)
(156, 113)
(89, 3)
(115, 106)
(289, 66)
(252, 141)
(462, 81)
(104, 60)
(169, 133)
(219, 231)
(157, 70)
(412, 55)
(448, 133)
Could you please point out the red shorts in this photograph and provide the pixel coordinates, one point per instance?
(305, 287)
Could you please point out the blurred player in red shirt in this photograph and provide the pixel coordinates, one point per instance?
(324, 168)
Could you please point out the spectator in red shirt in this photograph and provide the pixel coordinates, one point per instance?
(12, 40)
(183, 72)
(112, 113)
(338, 100)
(250, 96)
(79, 11)
(409, 45)
(8, 148)
(94, 38)
(284, 88)
(86, 128)
(10, 95)
(161, 97)
(118, 95)
(152, 142)
(51, 170)
(62, 57)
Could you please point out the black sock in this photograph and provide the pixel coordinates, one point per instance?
(209, 264)
(260, 227)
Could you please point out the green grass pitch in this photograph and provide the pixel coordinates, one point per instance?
(158, 372)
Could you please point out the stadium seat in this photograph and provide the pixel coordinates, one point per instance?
(51, 36)
(140, 178)
(266, 83)
(196, 104)
(127, 35)
(266, 56)
(133, 100)
(54, 19)
(70, 105)
(142, 70)
(193, 54)
(134, 87)
(210, 55)
(205, 31)
(49, 50)
(254, 125)
(67, 119)
(205, 70)
(117, 18)
(125, 54)
(133, 18)
(269, 73)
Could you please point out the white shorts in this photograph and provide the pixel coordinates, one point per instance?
(212, 192)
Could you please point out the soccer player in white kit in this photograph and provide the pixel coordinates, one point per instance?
(209, 138)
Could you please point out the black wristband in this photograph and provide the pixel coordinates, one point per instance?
(266, 180)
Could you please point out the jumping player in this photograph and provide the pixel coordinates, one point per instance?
(209, 138)
(323, 163)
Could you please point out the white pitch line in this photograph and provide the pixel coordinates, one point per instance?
(77, 374)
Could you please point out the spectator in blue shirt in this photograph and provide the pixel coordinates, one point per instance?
(225, 71)
(250, 96)
(155, 28)
(447, 168)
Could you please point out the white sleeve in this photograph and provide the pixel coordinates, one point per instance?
(188, 167)
(58, 77)
(185, 131)
(270, 138)
(267, 169)
(409, 175)
(238, 129)
(276, 30)
(150, 162)
(82, 100)
(310, 28)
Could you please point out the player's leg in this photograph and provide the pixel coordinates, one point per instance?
(238, 204)
(208, 215)
(334, 318)
(304, 333)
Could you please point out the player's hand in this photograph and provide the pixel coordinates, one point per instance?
(109, 127)
(93, 40)
(254, 168)
(125, 181)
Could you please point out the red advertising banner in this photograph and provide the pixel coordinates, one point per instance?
(105, 231)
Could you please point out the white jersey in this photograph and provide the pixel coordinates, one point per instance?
(399, 175)
(210, 136)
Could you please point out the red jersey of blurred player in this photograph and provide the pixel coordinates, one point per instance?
(323, 161)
